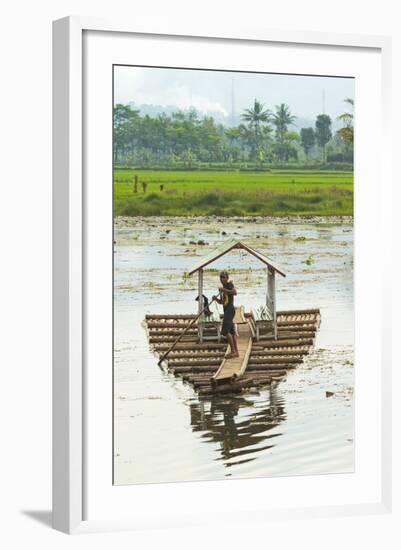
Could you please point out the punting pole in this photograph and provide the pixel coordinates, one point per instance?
(163, 357)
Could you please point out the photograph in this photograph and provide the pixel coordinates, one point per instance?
(233, 280)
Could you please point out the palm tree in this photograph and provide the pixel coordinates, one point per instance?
(282, 119)
(347, 132)
(255, 117)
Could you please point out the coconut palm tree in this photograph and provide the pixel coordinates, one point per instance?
(281, 120)
(255, 117)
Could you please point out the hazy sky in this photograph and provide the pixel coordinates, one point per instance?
(211, 91)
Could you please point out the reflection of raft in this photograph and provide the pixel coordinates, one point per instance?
(269, 342)
(269, 359)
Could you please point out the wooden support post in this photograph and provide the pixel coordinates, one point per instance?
(268, 298)
(274, 304)
(200, 303)
(271, 298)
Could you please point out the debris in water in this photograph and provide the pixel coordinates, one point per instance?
(309, 260)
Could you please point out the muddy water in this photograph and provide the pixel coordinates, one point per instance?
(163, 431)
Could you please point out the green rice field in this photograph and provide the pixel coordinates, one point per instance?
(233, 193)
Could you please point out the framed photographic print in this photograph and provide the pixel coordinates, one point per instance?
(220, 303)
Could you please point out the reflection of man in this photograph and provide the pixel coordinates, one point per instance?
(226, 297)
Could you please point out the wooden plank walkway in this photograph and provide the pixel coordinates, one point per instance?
(236, 366)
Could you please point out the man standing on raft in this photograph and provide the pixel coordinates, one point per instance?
(226, 298)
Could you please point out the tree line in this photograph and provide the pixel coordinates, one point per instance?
(262, 137)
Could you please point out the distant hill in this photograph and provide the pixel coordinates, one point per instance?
(155, 110)
(302, 122)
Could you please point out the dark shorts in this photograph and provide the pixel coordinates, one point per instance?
(228, 324)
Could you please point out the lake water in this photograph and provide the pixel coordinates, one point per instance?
(163, 431)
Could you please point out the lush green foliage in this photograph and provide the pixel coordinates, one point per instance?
(347, 132)
(186, 139)
(274, 193)
(308, 139)
(323, 132)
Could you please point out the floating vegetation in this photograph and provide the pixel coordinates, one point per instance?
(309, 260)
(226, 427)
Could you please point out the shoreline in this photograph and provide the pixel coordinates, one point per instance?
(130, 221)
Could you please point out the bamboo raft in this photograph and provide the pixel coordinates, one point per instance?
(262, 362)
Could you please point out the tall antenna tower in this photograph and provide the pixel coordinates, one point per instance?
(190, 96)
(232, 102)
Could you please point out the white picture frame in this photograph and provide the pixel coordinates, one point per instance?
(70, 256)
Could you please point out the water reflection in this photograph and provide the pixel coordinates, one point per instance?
(225, 432)
(243, 427)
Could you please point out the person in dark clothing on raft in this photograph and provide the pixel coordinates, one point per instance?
(226, 298)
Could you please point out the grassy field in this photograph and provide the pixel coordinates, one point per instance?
(275, 193)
